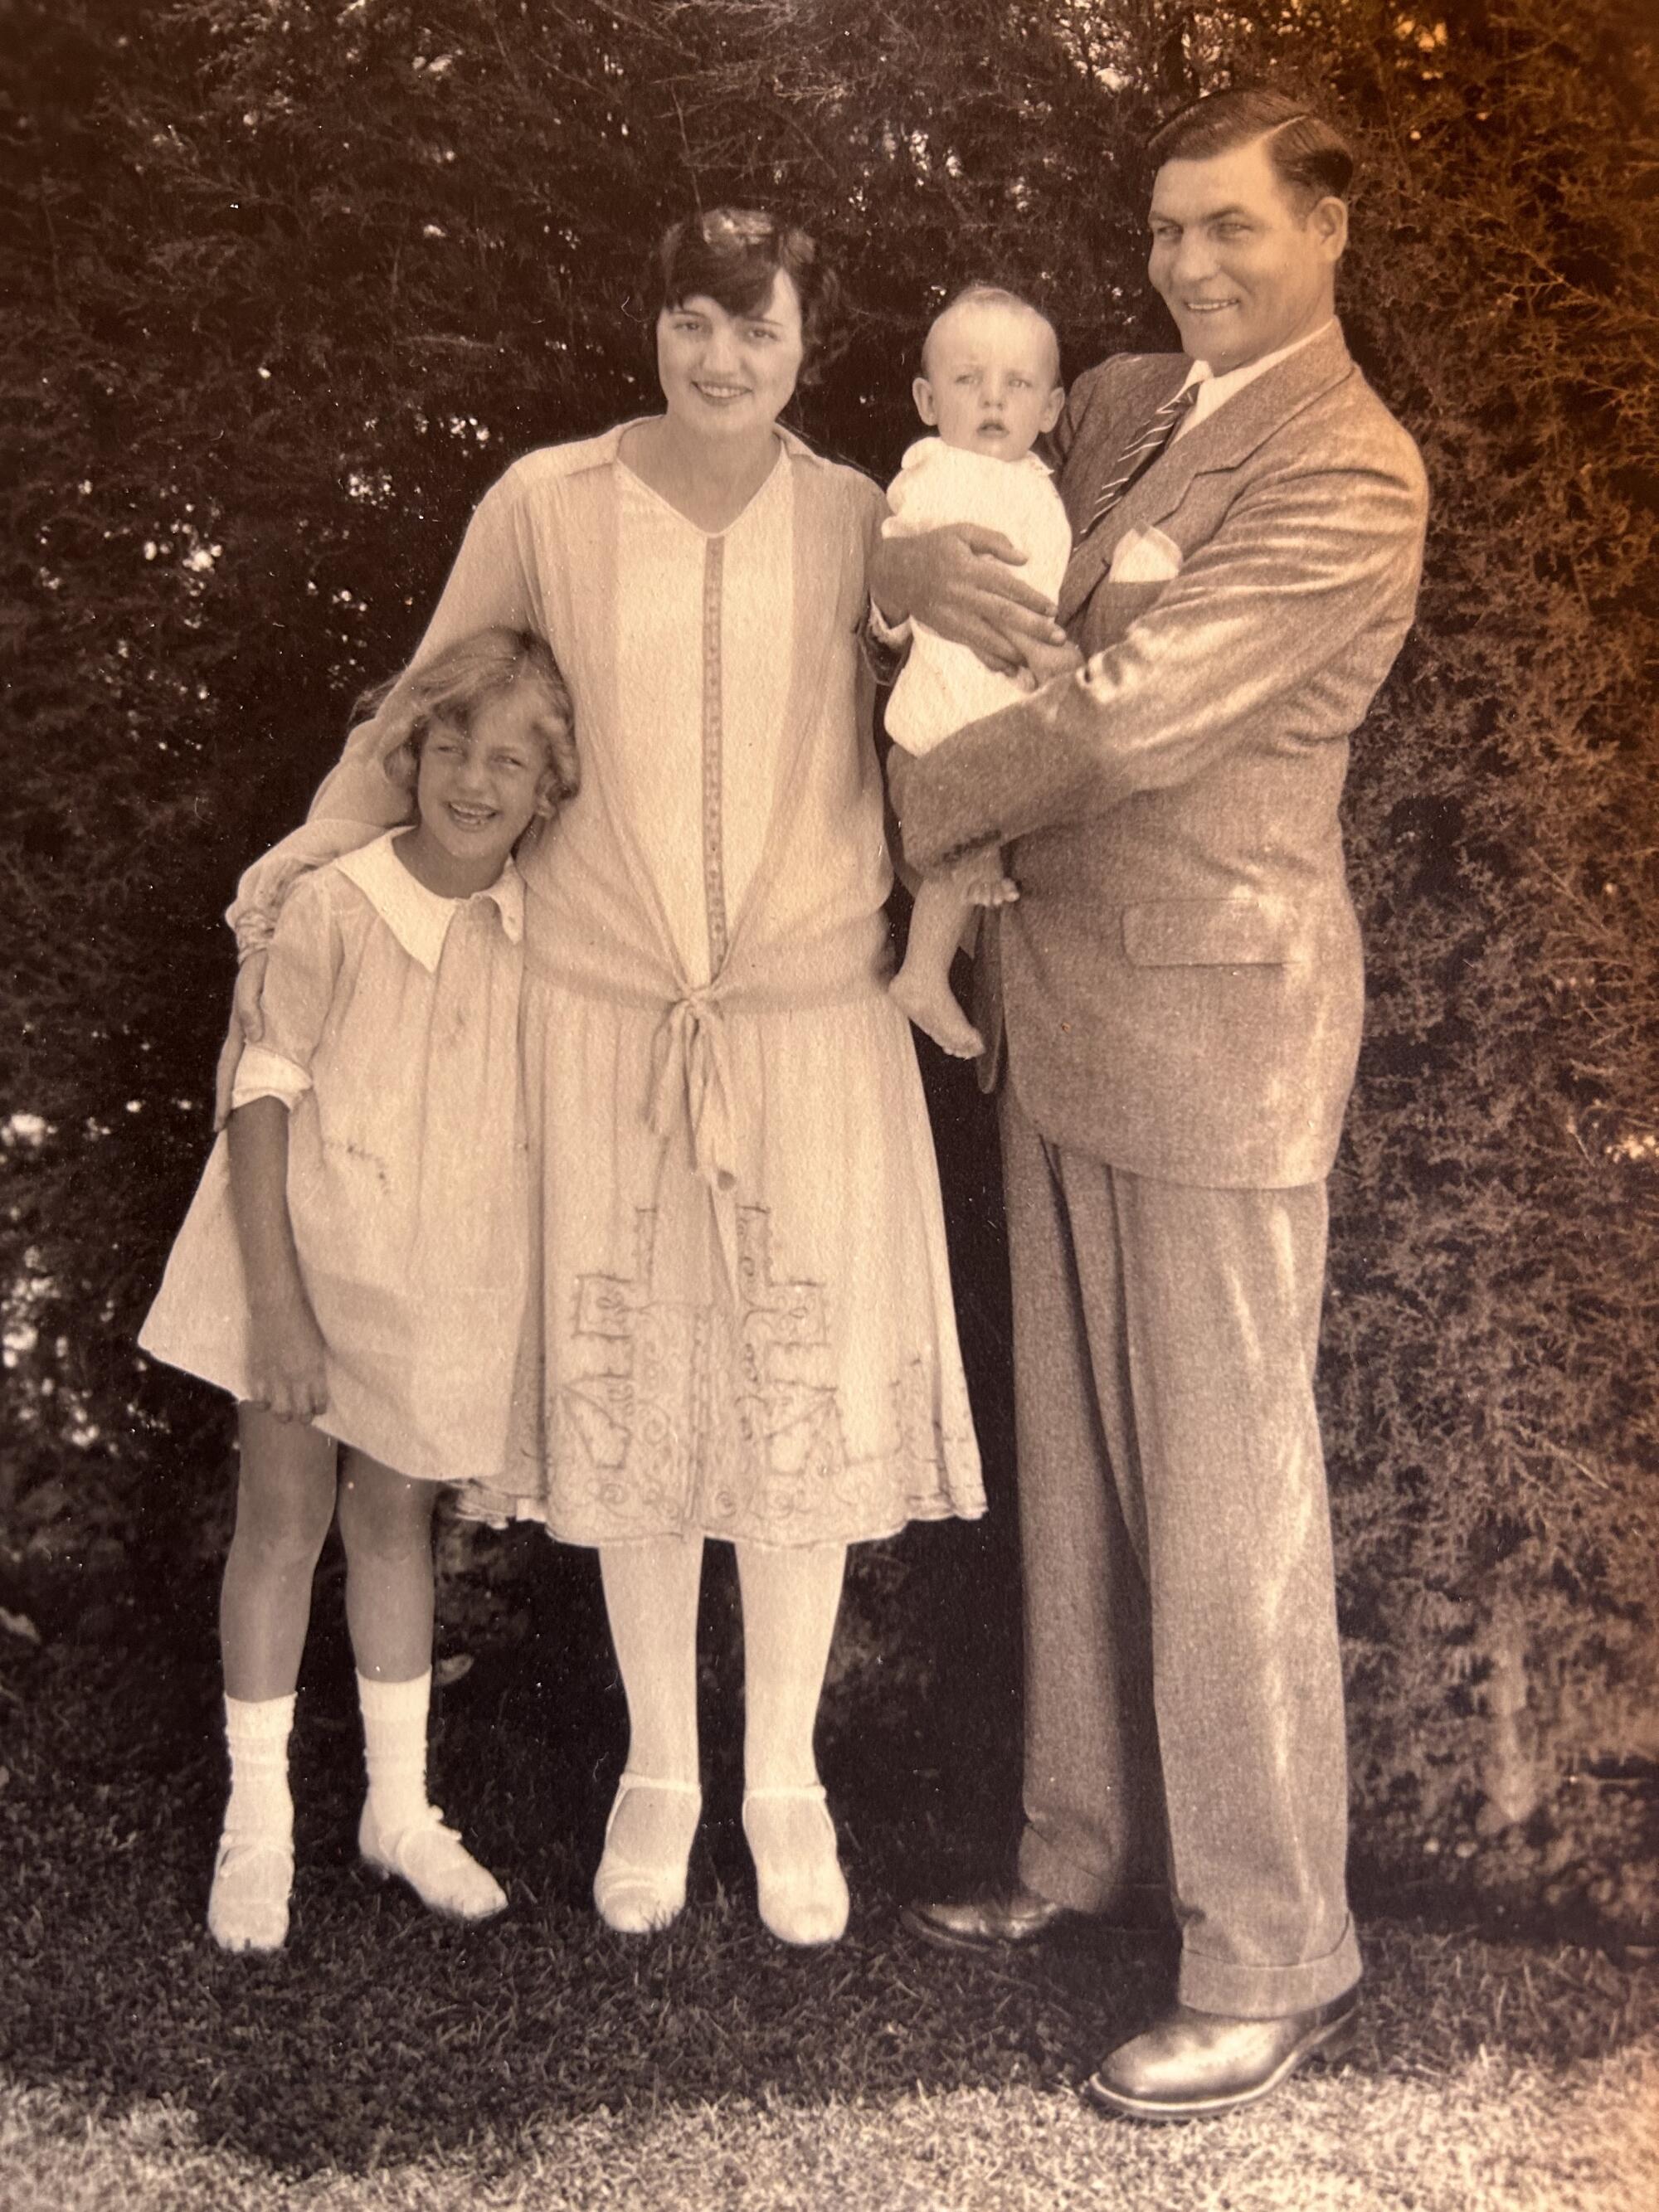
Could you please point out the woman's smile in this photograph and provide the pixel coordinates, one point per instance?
(741, 368)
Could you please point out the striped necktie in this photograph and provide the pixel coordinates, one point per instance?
(1148, 445)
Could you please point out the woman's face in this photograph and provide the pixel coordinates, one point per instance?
(724, 374)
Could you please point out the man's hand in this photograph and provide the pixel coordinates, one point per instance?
(286, 1374)
(1046, 662)
(245, 1010)
(962, 582)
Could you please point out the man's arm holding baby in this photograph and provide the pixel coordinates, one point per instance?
(961, 580)
(964, 581)
(1303, 592)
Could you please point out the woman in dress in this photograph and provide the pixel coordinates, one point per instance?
(742, 1326)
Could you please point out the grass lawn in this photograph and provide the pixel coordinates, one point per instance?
(387, 2060)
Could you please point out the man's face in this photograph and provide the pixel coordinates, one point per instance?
(1242, 270)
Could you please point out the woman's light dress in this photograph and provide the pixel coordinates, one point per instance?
(392, 1037)
(741, 1322)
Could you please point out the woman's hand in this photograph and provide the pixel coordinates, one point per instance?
(286, 1374)
(962, 582)
(245, 1010)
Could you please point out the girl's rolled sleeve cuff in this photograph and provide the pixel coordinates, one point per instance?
(262, 1074)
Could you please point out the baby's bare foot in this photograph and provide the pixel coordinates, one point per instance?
(994, 890)
(929, 1004)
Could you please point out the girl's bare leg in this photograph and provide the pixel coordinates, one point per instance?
(386, 1525)
(284, 1502)
(650, 1591)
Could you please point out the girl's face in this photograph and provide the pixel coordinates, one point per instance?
(478, 790)
(724, 374)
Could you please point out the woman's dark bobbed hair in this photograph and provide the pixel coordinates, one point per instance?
(732, 255)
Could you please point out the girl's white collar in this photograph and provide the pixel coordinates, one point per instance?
(417, 918)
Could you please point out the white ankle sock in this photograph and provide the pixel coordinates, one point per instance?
(257, 1730)
(394, 1748)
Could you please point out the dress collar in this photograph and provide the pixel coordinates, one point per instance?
(605, 450)
(417, 918)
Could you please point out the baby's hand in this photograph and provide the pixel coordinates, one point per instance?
(287, 1375)
(1044, 662)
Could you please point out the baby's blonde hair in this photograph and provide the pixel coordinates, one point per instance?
(450, 688)
(983, 294)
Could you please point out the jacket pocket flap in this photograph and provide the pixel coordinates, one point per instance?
(1208, 933)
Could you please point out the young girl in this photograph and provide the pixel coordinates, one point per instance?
(354, 1267)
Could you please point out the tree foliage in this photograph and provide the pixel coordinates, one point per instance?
(292, 282)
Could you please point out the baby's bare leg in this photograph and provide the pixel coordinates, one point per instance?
(922, 985)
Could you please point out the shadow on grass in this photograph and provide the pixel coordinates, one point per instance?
(382, 2034)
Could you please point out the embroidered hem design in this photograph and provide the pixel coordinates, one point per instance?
(686, 1417)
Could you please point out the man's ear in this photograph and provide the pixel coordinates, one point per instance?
(1328, 219)
(1052, 406)
(927, 406)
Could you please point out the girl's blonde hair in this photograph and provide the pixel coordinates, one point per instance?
(451, 688)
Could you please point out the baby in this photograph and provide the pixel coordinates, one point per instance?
(990, 384)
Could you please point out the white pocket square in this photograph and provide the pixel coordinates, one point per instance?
(1145, 556)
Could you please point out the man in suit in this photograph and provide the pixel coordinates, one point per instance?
(1178, 995)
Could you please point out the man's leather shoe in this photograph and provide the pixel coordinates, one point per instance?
(1196, 2065)
(995, 1920)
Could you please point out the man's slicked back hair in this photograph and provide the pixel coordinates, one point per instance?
(1312, 159)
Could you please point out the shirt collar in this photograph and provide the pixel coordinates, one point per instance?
(1215, 391)
(417, 918)
(928, 451)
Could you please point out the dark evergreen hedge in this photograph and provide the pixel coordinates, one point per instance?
(291, 283)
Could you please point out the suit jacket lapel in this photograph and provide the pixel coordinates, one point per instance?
(1221, 441)
(1086, 470)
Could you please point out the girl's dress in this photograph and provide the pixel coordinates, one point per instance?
(740, 1318)
(391, 1032)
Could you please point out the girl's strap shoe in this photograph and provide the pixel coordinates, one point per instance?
(247, 1905)
(435, 1863)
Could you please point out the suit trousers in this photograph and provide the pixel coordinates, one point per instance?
(1183, 1686)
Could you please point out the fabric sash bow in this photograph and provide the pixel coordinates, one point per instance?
(692, 1083)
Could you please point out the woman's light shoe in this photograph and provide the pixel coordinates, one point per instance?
(630, 1896)
(435, 1863)
(247, 1905)
(802, 1900)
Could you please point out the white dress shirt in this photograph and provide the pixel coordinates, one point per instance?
(1215, 391)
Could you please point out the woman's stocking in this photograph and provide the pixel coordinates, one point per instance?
(790, 1600)
(650, 1591)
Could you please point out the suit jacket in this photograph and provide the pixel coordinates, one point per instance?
(1180, 978)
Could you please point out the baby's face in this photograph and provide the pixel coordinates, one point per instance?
(992, 382)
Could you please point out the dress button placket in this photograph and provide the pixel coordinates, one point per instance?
(713, 867)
